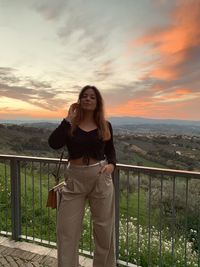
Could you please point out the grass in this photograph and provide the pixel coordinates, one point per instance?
(37, 220)
(130, 207)
(139, 160)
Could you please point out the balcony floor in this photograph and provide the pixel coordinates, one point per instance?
(23, 254)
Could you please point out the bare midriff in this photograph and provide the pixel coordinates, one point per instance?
(80, 161)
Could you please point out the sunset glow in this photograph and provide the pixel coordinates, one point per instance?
(144, 58)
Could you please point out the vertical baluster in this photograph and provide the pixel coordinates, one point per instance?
(138, 221)
(160, 221)
(127, 217)
(186, 220)
(40, 198)
(1, 202)
(116, 176)
(81, 239)
(149, 223)
(15, 199)
(90, 235)
(198, 233)
(6, 199)
(48, 210)
(173, 217)
(33, 200)
(25, 198)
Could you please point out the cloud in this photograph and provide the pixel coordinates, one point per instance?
(40, 98)
(151, 108)
(10, 113)
(7, 75)
(141, 99)
(177, 44)
(5, 70)
(78, 24)
(9, 109)
(177, 95)
(38, 93)
(120, 93)
(39, 84)
(51, 9)
(173, 67)
(84, 34)
(105, 70)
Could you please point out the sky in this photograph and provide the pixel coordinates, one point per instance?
(143, 56)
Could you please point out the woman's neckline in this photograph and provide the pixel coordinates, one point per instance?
(87, 131)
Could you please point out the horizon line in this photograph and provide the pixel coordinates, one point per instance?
(110, 117)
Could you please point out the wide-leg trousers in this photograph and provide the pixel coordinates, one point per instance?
(85, 183)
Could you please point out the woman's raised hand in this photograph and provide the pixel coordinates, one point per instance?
(72, 111)
(108, 168)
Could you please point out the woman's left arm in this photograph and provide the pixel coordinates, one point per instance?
(110, 152)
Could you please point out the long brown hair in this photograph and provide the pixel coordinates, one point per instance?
(99, 116)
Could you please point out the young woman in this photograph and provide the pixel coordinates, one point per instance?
(92, 158)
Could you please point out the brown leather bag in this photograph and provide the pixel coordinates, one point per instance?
(54, 192)
(54, 195)
(52, 199)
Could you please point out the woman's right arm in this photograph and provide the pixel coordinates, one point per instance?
(58, 137)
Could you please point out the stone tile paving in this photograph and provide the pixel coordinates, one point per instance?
(23, 254)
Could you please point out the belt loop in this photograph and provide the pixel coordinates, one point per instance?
(68, 164)
(101, 163)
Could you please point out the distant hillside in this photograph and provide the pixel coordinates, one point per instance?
(128, 125)
(148, 145)
(117, 121)
(35, 124)
(24, 140)
(29, 121)
(137, 120)
(163, 129)
(47, 125)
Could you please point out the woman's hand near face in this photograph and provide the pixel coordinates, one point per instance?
(108, 168)
(72, 111)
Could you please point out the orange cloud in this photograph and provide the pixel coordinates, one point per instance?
(36, 114)
(177, 95)
(174, 43)
(183, 91)
(154, 109)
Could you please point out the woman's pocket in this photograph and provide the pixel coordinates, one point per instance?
(104, 185)
(74, 183)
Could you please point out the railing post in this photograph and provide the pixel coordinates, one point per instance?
(117, 193)
(15, 198)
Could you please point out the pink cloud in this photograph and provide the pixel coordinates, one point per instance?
(152, 108)
(174, 42)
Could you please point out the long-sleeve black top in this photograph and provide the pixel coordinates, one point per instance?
(83, 144)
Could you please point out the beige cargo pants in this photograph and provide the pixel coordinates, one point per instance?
(84, 183)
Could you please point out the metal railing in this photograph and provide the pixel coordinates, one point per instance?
(157, 211)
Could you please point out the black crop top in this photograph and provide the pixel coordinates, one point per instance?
(83, 144)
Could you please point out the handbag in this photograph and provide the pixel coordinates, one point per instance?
(54, 194)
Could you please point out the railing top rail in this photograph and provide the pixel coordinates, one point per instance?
(30, 158)
(154, 170)
(149, 170)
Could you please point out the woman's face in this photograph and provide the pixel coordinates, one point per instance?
(88, 100)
